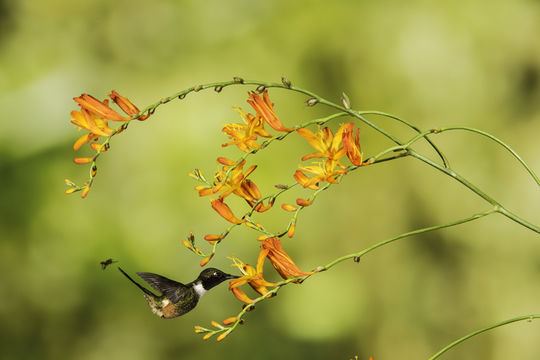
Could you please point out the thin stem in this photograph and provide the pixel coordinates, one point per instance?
(404, 235)
(498, 141)
(501, 209)
(491, 327)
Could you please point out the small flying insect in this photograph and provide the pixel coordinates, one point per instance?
(106, 263)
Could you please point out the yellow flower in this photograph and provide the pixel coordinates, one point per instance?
(244, 135)
(322, 171)
(327, 144)
(252, 276)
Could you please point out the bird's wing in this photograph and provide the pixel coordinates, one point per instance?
(170, 288)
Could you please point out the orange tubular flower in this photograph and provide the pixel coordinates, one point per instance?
(252, 276)
(352, 147)
(101, 109)
(126, 105)
(280, 260)
(265, 109)
(225, 211)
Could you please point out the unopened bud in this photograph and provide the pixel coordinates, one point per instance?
(261, 88)
(85, 191)
(230, 320)
(181, 96)
(162, 101)
(218, 88)
(286, 82)
(83, 160)
(345, 101)
(288, 207)
(311, 102)
(208, 336)
(94, 171)
(356, 259)
(281, 186)
(223, 335)
(238, 80)
(197, 88)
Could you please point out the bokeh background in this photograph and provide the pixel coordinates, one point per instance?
(433, 63)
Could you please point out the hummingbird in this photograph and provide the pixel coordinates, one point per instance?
(176, 298)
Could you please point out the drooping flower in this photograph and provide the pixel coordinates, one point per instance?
(127, 106)
(265, 109)
(252, 276)
(224, 210)
(352, 146)
(280, 260)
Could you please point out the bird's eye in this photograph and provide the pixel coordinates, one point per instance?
(214, 274)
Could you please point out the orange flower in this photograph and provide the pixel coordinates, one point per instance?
(225, 211)
(280, 260)
(89, 121)
(352, 147)
(127, 106)
(252, 276)
(236, 183)
(244, 135)
(265, 109)
(327, 144)
(101, 109)
(322, 171)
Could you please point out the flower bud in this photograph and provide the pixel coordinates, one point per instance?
(238, 80)
(311, 102)
(286, 82)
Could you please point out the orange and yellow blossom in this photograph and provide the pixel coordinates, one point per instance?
(252, 276)
(265, 109)
(322, 172)
(352, 146)
(327, 144)
(280, 260)
(244, 135)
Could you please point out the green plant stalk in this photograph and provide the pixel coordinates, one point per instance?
(404, 235)
(491, 327)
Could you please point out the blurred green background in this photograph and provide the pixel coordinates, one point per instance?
(432, 63)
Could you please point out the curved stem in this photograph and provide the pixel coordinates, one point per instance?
(468, 336)
(498, 141)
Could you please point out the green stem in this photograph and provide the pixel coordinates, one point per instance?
(501, 209)
(404, 235)
(498, 141)
(468, 336)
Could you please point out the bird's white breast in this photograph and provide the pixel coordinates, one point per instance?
(199, 289)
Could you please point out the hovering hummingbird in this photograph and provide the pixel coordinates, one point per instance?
(176, 298)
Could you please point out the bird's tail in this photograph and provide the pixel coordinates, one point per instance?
(145, 290)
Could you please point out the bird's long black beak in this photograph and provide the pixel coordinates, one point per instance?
(229, 276)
